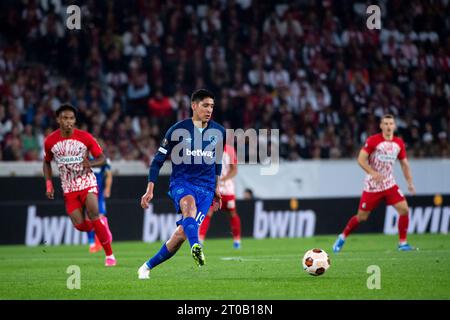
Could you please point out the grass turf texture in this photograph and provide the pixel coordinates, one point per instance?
(262, 269)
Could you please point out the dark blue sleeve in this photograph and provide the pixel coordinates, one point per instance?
(220, 154)
(161, 155)
(108, 165)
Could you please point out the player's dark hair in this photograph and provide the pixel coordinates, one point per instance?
(387, 116)
(201, 94)
(66, 107)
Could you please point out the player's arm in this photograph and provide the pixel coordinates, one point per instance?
(47, 169)
(49, 190)
(108, 183)
(157, 162)
(404, 164)
(218, 168)
(231, 174)
(363, 161)
(153, 174)
(96, 151)
(217, 203)
(98, 161)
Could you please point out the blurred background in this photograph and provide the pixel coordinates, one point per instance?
(311, 69)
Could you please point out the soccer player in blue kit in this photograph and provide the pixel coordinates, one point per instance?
(195, 146)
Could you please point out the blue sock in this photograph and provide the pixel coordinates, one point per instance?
(162, 255)
(190, 228)
(91, 237)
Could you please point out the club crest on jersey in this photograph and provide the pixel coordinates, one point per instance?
(165, 142)
(213, 140)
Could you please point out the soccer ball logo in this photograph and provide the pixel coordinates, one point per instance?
(316, 262)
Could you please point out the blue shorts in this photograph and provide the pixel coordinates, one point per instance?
(203, 199)
(101, 204)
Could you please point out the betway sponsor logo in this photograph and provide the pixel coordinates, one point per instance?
(281, 224)
(199, 153)
(421, 220)
(70, 160)
(158, 226)
(51, 230)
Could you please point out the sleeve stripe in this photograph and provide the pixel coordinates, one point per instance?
(162, 150)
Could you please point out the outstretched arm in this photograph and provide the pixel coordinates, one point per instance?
(408, 176)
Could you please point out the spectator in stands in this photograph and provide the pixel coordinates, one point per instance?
(301, 67)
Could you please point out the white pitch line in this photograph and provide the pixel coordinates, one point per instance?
(248, 259)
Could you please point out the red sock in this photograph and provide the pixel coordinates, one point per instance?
(86, 225)
(105, 220)
(204, 227)
(236, 226)
(351, 225)
(103, 235)
(403, 222)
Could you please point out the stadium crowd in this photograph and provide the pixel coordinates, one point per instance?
(309, 68)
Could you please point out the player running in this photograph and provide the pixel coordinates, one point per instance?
(377, 159)
(70, 147)
(226, 188)
(195, 146)
(104, 179)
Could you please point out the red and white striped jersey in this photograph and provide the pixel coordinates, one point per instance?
(68, 154)
(382, 156)
(229, 157)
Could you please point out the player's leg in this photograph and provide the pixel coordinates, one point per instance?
(235, 222)
(188, 209)
(100, 227)
(191, 219)
(203, 229)
(74, 207)
(91, 241)
(403, 223)
(229, 205)
(351, 225)
(368, 202)
(79, 222)
(396, 198)
(94, 242)
(167, 250)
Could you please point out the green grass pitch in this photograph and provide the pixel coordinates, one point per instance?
(262, 269)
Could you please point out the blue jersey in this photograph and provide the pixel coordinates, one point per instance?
(196, 154)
